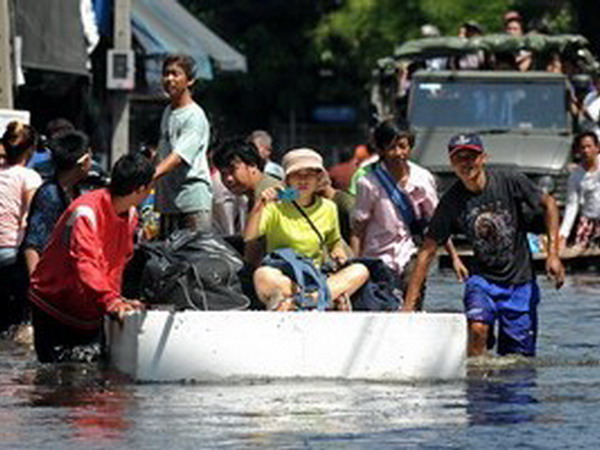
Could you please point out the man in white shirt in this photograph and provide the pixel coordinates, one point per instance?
(583, 195)
(264, 143)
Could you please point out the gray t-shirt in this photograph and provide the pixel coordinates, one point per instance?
(188, 187)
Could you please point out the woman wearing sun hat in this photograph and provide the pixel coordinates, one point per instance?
(292, 222)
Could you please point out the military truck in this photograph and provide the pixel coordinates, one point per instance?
(524, 117)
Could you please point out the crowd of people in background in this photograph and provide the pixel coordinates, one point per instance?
(63, 252)
(514, 26)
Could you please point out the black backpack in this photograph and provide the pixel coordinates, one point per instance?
(382, 292)
(190, 270)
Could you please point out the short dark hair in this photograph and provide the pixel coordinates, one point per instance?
(237, 149)
(388, 132)
(517, 20)
(186, 62)
(585, 134)
(129, 173)
(67, 148)
(58, 126)
(18, 138)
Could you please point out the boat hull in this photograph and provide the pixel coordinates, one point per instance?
(168, 346)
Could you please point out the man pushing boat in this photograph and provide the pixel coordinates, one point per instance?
(488, 206)
(78, 278)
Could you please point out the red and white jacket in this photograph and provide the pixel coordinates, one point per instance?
(79, 274)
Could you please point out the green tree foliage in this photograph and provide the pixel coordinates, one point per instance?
(303, 53)
(369, 29)
(275, 37)
(360, 32)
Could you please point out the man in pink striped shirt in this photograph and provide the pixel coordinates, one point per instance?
(380, 228)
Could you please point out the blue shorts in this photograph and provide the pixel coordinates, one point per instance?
(515, 308)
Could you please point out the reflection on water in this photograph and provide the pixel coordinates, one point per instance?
(94, 402)
(43, 404)
(507, 402)
(501, 396)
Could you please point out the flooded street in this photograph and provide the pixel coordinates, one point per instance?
(549, 402)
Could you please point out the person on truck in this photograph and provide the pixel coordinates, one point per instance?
(513, 25)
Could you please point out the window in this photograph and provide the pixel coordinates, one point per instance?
(493, 105)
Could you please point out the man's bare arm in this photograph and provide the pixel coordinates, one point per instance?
(461, 271)
(554, 267)
(417, 278)
(32, 258)
(356, 237)
(167, 165)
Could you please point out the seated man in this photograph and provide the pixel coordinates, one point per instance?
(242, 172)
(241, 168)
(78, 277)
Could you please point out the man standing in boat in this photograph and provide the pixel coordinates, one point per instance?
(78, 278)
(183, 189)
(487, 207)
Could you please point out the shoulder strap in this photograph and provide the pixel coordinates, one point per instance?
(396, 195)
(310, 222)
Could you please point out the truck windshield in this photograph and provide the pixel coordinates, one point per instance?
(488, 105)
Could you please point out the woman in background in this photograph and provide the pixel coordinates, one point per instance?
(17, 187)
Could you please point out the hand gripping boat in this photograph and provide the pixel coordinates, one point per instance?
(166, 346)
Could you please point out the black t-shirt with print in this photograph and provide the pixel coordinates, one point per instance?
(493, 223)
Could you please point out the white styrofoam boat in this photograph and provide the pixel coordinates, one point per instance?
(215, 346)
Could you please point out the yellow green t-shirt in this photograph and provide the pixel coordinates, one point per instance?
(283, 226)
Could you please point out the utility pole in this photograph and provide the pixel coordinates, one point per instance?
(120, 98)
(6, 84)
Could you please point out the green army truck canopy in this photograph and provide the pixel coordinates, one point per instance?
(576, 46)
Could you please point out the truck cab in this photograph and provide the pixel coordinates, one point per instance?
(522, 117)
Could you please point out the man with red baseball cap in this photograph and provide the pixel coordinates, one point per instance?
(486, 205)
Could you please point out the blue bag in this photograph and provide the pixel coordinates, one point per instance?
(400, 200)
(303, 272)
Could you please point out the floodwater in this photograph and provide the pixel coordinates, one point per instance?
(552, 401)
